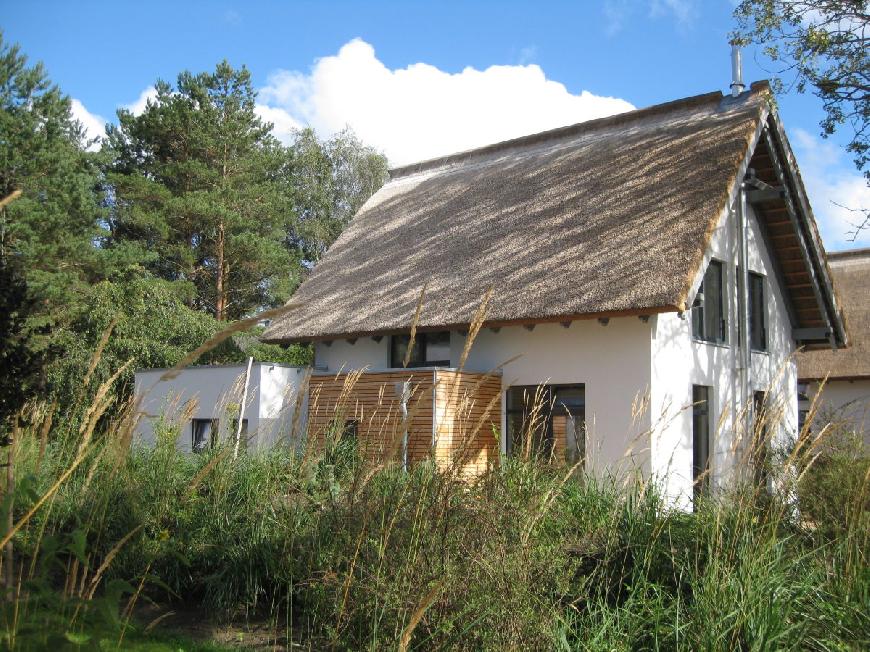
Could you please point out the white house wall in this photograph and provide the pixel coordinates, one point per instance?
(679, 361)
(279, 396)
(612, 361)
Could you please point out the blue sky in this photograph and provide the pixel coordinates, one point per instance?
(420, 79)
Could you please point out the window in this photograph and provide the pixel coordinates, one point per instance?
(760, 439)
(547, 420)
(709, 321)
(430, 350)
(700, 440)
(203, 434)
(757, 313)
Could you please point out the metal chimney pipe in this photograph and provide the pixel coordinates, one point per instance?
(737, 85)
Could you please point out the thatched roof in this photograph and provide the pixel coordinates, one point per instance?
(851, 272)
(604, 218)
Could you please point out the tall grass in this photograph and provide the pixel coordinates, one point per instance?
(524, 557)
(338, 552)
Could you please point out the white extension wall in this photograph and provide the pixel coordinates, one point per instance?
(846, 403)
(679, 361)
(205, 392)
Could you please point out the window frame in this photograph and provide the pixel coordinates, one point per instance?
(214, 424)
(421, 344)
(701, 410)
(700, 307)
(550, 392)
(757, 282)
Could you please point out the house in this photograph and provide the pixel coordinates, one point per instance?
(201, 405)
(845, 395)
(620, 261)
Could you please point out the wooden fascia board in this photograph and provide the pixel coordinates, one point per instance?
(811, 248)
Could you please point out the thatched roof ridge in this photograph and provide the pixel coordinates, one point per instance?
(851, 278)
(602, 218)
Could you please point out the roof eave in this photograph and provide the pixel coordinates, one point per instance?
(815, 249)
(462, 326)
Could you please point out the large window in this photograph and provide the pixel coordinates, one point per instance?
(709, 320)
(547, 420)
(757, 313)
(430, 350)
(700, 440)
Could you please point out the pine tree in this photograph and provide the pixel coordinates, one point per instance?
(201, 187)
(47, 234)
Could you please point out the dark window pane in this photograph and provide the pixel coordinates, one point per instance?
(545, 419)
(203, 434)
(708, 311)
(757, 313)
(351, 429)
(570, 398)
(713, 317)
(700, 439)
(760, 438)
(698, 313)
(400, 349)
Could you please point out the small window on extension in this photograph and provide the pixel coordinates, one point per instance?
(709, 321)
(203, 434)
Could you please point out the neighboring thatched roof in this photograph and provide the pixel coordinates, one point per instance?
(603, 218)
(851, 277)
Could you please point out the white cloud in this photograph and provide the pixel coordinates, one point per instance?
(94, 125)
(684, 11)
(420, 111)
(617, 12)
(831, 179)
(284, 124)
(138, 106)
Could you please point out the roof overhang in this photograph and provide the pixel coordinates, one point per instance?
(788, 226)
(564, 320)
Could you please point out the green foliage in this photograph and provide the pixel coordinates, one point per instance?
(523, 558)
(823, 44)
(16, 357)
(47, 235)
(201, 184)
(830, 488)
(153, 327)
(331, 181)
(193, 213)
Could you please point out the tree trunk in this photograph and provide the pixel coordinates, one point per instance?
(221, 299)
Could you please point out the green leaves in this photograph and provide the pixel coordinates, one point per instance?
(197, 179)
(47, 236)
(823, 45)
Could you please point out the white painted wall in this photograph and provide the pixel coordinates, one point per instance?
(679, 361)
(206, 392)
(612, 361)
(846, 403)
